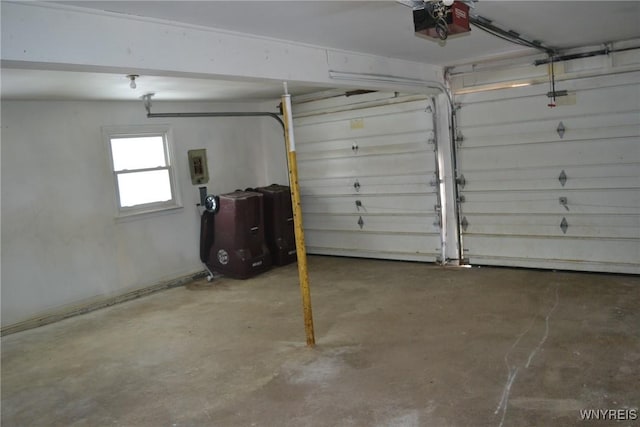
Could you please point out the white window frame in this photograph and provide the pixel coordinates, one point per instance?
(133, 131)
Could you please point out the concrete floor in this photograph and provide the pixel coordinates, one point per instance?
(399, 344)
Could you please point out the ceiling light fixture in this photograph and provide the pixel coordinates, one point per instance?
(133, 78)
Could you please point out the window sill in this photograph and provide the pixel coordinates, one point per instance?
(148, 213)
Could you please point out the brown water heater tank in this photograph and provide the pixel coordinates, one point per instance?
(239, 249)
(278, 223)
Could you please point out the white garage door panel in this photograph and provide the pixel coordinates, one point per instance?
(374, 223)
(368, 253)
(608, 120)
(367, 177)
(345, 147)
(518, 172)
(611, 201)
(596, 226)
(385, 150)
(509, 93)
(606, 126)
(400, 107)
(414, 163)
(390, 123)
(370, 204)
(594, 101)
(604, 267)
(574, 250)
(578, 177)
(369, 185)
(359, 102)
(560, 154)
(377, 245)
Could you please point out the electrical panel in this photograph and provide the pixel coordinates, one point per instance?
(198, 166)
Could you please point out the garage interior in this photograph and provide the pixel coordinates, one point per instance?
(469, 201)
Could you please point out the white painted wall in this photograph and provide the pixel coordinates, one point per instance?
(61, 244)
(274, 154)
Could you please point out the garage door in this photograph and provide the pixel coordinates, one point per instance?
(367, 171)
(552, 187)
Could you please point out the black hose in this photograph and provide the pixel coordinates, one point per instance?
(207, 235)
(486, 25)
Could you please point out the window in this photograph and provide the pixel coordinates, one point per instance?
(142, 165)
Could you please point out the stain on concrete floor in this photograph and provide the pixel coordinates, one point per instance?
(399, 344)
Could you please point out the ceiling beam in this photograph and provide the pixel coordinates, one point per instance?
(76, 39)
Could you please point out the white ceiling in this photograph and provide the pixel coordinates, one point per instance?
(382, 28)
(385, 28)
(21, 84)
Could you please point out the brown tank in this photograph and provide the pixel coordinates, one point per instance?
(278, 222)
(239, 250)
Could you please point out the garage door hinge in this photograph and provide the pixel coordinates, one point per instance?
(459, 137)
(564, 202)
(464, 223)
(437, 208)
(461, 181)
(561, 129)
(564, 225)
(562, 178)
(360, 222)
(434, 182)
(356, 185)
(461, 199)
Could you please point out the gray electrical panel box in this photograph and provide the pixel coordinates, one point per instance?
(198, 166)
